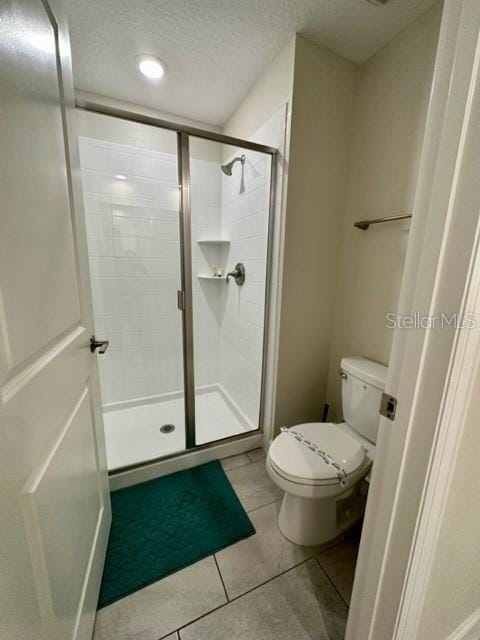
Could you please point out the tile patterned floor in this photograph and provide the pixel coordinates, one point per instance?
(262, 588)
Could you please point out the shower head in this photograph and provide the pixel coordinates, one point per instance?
(227, 168)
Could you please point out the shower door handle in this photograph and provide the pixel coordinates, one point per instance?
(181, 300)
(101, 345)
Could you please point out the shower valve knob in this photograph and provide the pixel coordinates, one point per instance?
(238, 274)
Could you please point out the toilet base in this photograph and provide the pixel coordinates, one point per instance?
(311, 522)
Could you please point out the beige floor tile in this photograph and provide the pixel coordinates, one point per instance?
(163, 607)
(260, 557)
(339, 563)
(298, 605)
(253, 486)
(256, 455)
(235, 461)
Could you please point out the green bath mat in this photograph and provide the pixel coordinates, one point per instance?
(163, 525)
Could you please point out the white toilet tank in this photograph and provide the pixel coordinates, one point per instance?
(362, 384)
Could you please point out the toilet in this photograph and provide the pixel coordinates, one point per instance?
(322, 466)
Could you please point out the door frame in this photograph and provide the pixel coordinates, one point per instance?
(162, 464)
(430, 370)
(86, 617)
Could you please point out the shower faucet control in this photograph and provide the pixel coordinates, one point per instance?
(238, 273)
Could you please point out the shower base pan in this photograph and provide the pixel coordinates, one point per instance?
(137, 432)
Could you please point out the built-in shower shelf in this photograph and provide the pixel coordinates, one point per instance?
(204, 277)
(219, 242)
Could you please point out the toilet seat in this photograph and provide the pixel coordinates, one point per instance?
(319, 502)
(295, 462)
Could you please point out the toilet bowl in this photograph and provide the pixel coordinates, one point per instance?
(321, 466)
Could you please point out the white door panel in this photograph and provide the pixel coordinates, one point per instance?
(63, 508)
(54, 502)
(36, 240)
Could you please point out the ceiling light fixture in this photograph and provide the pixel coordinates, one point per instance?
(151, 66)
(120, 176)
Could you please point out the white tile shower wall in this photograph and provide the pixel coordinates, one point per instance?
(245, 199)
(134, 250)
(206, 224)
(133, 242)
(274, 133)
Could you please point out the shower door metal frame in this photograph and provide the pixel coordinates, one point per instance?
(140, 118)
(184, 132)
(183, 153)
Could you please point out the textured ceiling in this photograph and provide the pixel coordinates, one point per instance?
(214, 49)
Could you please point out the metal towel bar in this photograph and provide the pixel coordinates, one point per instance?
(364, 224)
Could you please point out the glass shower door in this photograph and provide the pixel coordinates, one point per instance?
(229, 202)
(130, 183)
(178, 237)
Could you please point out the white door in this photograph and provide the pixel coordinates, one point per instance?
(387, 593)
(54, 501)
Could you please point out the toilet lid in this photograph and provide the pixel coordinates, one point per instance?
(296, 460)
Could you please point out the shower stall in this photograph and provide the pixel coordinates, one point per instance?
(179, 232)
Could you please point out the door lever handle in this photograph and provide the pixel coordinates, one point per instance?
(101, 345)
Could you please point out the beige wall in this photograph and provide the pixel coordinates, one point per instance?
(270, 92)
(322, 107)
(389, 119)
(453, 591)
(355, 139)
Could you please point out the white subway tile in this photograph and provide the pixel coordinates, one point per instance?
(167, 194)
(95, 203)
(135, 291)
(126, 247)
(165, 230)
(100, 246)
(163, 169)
(142, 188)
(125, 266)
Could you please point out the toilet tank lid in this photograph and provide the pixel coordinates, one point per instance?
(366, 370)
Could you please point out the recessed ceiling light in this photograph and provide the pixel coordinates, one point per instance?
(150, 66)
(120, 176)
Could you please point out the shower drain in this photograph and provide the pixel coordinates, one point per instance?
(167, 428)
